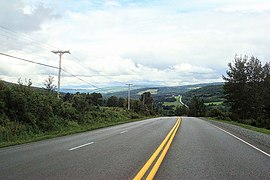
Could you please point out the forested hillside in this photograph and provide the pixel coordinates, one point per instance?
(161, 92)
(27, 112)
(212, 93)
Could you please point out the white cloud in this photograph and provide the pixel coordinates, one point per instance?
(167, 43)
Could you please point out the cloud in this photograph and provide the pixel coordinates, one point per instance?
(181, 42)
(19, 16)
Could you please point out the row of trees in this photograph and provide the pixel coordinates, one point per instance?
(25, 110)
(247, 90)
(195, 108)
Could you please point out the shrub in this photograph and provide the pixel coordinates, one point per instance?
(215, 113)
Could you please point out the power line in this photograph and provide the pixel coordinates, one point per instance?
(11, 34)
(25, 37)
(54, 67)
(28, 60)
(80, 79)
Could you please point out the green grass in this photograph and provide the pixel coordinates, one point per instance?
(214, 103)
(67, 131)
(175, 103)
(246, 126)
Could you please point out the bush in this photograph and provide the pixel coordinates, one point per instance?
(215, 113)
(263, 123)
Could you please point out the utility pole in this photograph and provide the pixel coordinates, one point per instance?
(129, 95)
(59, 70)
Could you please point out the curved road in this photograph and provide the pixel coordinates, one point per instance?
(199, 151)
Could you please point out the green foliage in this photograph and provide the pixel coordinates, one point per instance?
(27, 112)
(121, 102)
(215, 113)
(212, 93)
(181, 111)
(48, 83)
(247, 90)
(197, 107)
(112, 101)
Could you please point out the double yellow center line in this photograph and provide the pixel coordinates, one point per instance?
(167, 141)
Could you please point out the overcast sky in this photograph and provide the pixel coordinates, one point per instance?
(113, 42)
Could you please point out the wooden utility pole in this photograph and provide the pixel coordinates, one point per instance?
(129, 95)
(59, 69)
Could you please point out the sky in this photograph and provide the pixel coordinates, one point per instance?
(114, 42)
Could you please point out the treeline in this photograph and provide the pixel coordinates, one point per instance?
(247, 91)
(246, 95)
(26, 111)
(195, 108)
(211, 93)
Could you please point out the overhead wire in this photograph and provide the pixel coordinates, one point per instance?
(80, 79)
(26, 37)
(4, 54)
(46, 65)
(11, 34)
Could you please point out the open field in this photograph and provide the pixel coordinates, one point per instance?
(175, 103)
(214, 103)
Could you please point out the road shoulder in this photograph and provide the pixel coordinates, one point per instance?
(260, 140)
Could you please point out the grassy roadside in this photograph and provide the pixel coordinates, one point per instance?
(68, 131)
(261, 130)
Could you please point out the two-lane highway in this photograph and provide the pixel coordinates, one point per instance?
(111, 153)
(203, 151)
(199, 151)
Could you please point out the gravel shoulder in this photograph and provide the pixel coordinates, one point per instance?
(260, 140)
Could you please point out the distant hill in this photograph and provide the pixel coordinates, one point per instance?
(160, 92)
(210, 93)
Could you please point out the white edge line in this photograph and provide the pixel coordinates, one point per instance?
(243, 141)
(123, 131)
(71, 149)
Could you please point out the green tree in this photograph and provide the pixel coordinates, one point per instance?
(255, 87)
(121, 102)
(181, 110)
(95, 99)
(79, 102)
(48, 83)
(112, 101)
(266, 90)
(247, 89)
(147, 100)
(197, 107)
(67, 97)
(235, 87)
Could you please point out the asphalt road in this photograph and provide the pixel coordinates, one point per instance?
(202, 151)
(199, 151)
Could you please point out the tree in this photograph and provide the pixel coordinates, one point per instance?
(266, 90)
(255, 78)
(67, 97)
(197, 107)
(181, 110)
(48, 83)
(121, 102)
(247, 89)
(95, 99)
(112, 101)
(235, 87)
(147, 100)
(79, 102)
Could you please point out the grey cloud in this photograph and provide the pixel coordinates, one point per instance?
(12, 16)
